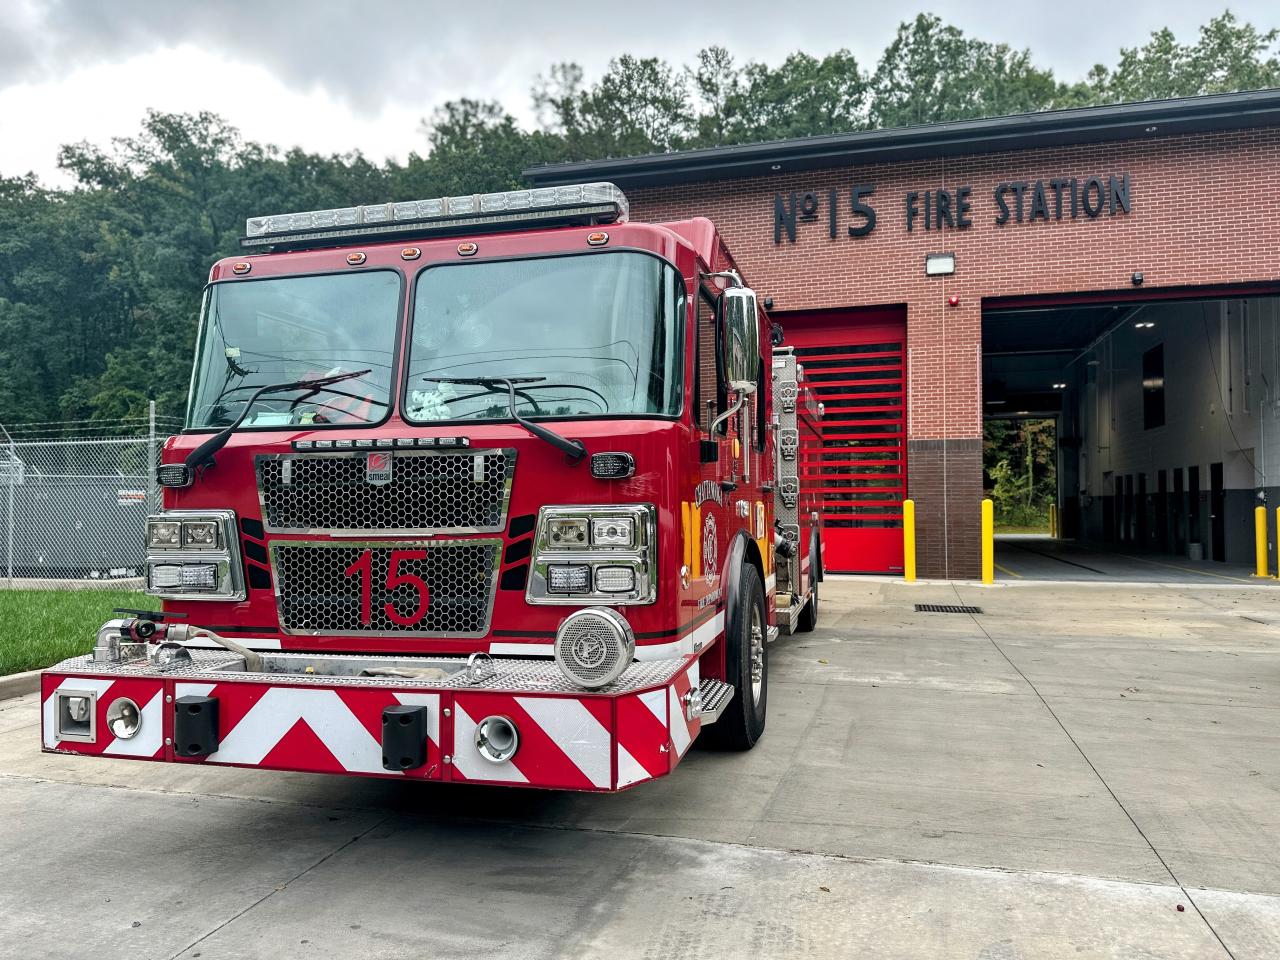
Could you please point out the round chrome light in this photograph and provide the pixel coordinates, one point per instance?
(497, 739)
(124, 719)
(593, 647)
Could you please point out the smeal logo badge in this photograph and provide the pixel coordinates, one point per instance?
(378, 468)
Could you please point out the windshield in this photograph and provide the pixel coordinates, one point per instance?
(263, 332)
(602, 329)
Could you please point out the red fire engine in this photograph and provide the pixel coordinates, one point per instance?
(497, 488)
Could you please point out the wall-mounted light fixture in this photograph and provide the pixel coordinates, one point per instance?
(1136, 278)
(939, 264)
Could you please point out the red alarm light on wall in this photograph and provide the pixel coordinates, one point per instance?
(953, 301)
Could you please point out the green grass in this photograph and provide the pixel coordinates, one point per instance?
(40, 627)
(1014, 528)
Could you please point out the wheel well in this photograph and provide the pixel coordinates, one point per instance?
(742, 551)
(752, 556)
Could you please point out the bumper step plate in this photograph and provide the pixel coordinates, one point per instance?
(714, 695)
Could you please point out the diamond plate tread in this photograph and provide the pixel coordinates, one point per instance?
(714, 696)
(511, 674)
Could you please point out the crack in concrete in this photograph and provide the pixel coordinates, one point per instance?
(1101, 779)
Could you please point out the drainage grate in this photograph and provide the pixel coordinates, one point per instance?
(945, 608)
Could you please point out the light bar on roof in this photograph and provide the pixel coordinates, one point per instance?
(585, 203)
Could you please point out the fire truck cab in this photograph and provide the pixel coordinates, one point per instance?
(499, 488)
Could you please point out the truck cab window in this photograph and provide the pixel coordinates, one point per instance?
(259, 332)
(601, 331)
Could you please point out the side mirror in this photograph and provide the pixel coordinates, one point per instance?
(741, 321)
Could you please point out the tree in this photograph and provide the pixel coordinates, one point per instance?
(932, 72)
(1020, 458)
(717, 84)
(1227, 56)
(640, 105)
(475, 146)
(802, 97)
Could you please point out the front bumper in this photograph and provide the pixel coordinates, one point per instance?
(286, 718)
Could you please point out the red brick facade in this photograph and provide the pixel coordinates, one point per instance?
(1204, 210)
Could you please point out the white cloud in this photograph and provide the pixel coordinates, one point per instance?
(104, 100)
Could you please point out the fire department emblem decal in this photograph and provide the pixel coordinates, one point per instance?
(378, 468)
(590, 652)
(710, 562)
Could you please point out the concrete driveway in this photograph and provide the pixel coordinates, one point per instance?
(1081, 770)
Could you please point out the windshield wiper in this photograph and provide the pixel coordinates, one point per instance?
(204, 453)
(575, 450)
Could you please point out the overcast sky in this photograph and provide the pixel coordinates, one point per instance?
(333, 76)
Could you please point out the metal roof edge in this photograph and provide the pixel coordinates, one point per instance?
(1124, 121)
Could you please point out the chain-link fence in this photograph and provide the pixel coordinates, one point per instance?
(73, 497)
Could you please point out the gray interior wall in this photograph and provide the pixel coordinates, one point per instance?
(1222, 380)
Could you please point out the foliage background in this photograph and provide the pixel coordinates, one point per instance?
(1021, 467)
(100, 283)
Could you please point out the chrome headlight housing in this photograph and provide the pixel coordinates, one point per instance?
(604, 554)
(194, 555)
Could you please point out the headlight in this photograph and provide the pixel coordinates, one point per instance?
(194, 555)
(184, 576)
(200, 533)
(164, 533)
(615, 579)
(569, 578)
(567, 533)
(612, 531)
(595, 555)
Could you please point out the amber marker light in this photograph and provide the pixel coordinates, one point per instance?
(355, 259)
(410, 253)
(467, 249)
(240, 269)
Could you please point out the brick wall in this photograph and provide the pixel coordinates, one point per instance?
(1204, 209)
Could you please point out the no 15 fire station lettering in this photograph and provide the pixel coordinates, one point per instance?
(1059, 198)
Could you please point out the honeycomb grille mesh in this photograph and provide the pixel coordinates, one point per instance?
(428, 491)
(321, 588)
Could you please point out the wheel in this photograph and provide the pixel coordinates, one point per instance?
(809, 615)
(747, 668)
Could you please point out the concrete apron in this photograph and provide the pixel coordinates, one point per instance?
(1051, 778)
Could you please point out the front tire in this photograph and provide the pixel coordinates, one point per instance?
(746, 667)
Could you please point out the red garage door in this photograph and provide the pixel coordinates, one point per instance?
(855, 361)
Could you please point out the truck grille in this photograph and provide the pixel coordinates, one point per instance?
(427, 491)
(320, 587)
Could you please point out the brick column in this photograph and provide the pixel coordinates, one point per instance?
(944, 429)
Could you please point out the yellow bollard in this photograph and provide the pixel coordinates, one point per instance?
(1260, 540)
(909, 541)
(988, 541)
(1053, 521)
